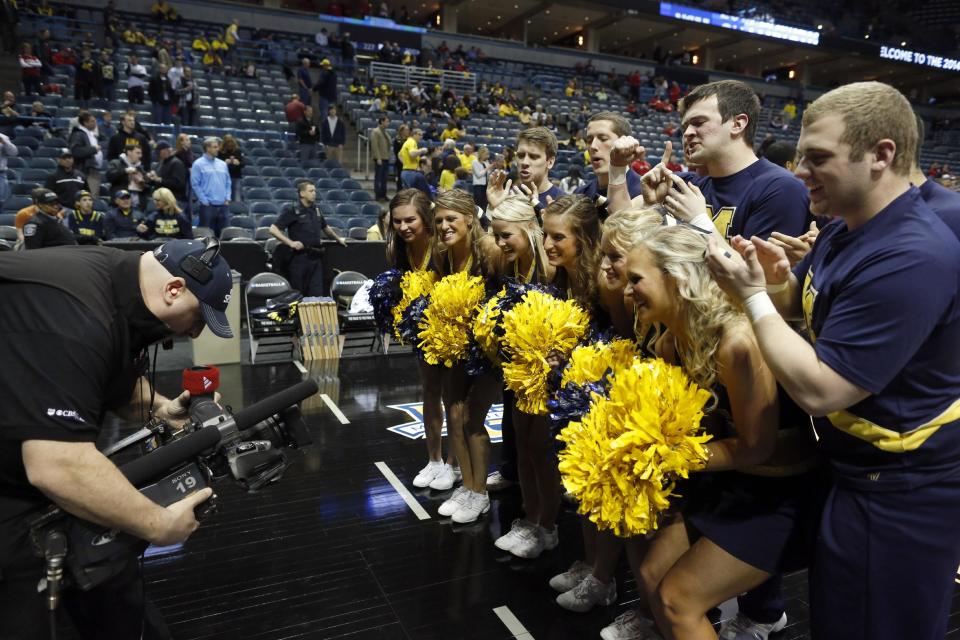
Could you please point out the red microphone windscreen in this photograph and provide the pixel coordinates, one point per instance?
(201, 380)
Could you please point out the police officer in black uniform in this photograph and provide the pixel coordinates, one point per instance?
(83, 320)
(300, 227)
(46, 228)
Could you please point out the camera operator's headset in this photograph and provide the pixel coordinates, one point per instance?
(201, 269)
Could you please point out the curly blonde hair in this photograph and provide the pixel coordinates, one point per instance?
(584, 222)
(678, 251)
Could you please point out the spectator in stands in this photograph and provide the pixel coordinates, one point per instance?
(403, 132)
(776, 120)
(105, 85)
(333, 134)
(66, 181)
(572, 181)
(381, 147)
(214, 57)
(301, 227)
(480, 167)
(322, 38)
(462, 180)
(347, 51)
(175, 74)
(789, 111)
(525, 117)
(326, 87)
(9, 19)
(30, 66)
(7, 150)
(378, 230)
(105, 126)
(231, 37)
(163, 12)
(122, 220)
(183, 151)
(210, 181)
(66, 58)
(674, 93)
(168, 221)
(127, 172)
(162, 55)
(782, 154)
(294, 109)
(130, 133)
(307, 135)
(640, 164)
(134, 36)
(45, 228)
(136, 80)
(85, 146)
(453, 131)
(304, 81)
(39, 116)
(161, 95)
(85, 222)
(170, 172)
(432, 131)
(231, 154)
(86, 78)
(187, 97)
(28, 212)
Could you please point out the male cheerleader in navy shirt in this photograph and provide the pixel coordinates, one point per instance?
(536, 155)
(879, 296)
(744, 195)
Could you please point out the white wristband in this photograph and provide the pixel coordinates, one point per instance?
(778, 288)
(758, 306)
(617, 175)
(703, 221)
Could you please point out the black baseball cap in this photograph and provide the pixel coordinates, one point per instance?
(123, 193)
(207, 275)
(47, 197)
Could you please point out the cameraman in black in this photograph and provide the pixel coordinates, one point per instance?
(78, 324)
(301, 227)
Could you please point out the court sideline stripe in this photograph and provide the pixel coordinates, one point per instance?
(334, 408)
(512, 624)
(415, 506)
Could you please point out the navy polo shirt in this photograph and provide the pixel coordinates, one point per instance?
(881, 305)
(945, 203)
(305, 224)
(554, 192)
(756, 201)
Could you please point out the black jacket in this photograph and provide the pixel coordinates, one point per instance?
(303, 132)
(119, 141)
(334, 138)
(66, 184)
(173, 176)
(160, 90)
(83, 152)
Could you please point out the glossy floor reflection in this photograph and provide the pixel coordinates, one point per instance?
(332, 551)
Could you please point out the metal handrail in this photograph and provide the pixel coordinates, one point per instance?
(361, 139)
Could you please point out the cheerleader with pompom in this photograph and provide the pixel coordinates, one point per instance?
(571, 237)
(580, 586)
(462, 250)
(410, 248)
(746, 514)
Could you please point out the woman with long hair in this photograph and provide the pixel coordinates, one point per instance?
(571, 231)
(233, 156)
(168, 221)
(747, 504)
(591, 581)
(410, 237)
(461, 247)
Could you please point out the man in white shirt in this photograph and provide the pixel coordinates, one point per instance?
(322, 39)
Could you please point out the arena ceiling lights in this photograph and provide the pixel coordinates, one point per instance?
(736, 23)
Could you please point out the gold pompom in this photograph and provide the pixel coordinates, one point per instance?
(444, 331)
(534, 329)
(589, 362)
(622, 460)
(484, 326)
(413, 284)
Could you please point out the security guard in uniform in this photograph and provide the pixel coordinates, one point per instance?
(300, 227)
(87, 224)
(45, 229)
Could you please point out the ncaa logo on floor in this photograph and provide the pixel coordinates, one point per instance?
(415, 431)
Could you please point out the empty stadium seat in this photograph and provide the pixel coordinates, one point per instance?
(339, 173)
(318, 173)
(232, 233)
(262, 234)
(358, 222)
(238, 208)
(328, 183)
(246, 222)
(361, 196)
(252, 182)
(267, 220)
(279, 183)
(41, 163)
(8, 232)
(358, 233)
(202, 232)
(371, 209)
(347, 209)
(8, 219)
(350, 184)
(23, 188)
(15, 203)
(258, 194)
(287, 195)
(336, 195)
(264, 208)
(271, 172)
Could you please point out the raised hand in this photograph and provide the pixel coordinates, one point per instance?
(685, 202)
(625, 150)
(657, 182)
(738, 272)
(497, 188)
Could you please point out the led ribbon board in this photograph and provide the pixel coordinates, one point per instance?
(736, 23)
